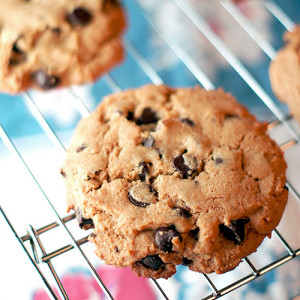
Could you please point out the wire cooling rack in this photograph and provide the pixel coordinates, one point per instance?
(30, 240)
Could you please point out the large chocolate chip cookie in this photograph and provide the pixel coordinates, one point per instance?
(174, 176)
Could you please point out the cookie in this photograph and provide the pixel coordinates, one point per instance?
(285, 73)
(45, 45)
(168, 176)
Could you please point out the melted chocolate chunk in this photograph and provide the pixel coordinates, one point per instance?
(153, 262)
(179, 164)
(186, 261)
(44, 80)
(129, 116)
(79, 16)
(56, 31)
(188, 122)
(143, 170)
(163, 238)
(183, 212)
(140, 195)
(81, 148)
(218, 161)
(16, 49)
(153, 191)
(83, 222)
(230, 116)
(159, 154)
(148, 142)
(148, 117)
(136, 202)
(195, 233)
(62, 172)
(17, 55)
(185, 164)
(235, 231)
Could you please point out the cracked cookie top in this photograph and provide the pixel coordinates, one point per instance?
(174, 176)
(47, 45)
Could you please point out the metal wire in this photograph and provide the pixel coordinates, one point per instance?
(39, 250)
(142, 62)
(249, 28)
(282, 17)
(182, 55)
(10, 145)
(43, 123)
(40, 254)
(45, 282)
(203, 26)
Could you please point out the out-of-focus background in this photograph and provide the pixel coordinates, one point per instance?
(180, 43)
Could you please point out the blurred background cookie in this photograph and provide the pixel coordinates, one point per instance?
(285, 72)
(46, 45)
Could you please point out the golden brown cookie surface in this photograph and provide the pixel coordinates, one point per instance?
(174, 176)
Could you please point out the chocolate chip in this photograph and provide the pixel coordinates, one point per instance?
(79, 16)
(218, 161)
(148, 142)
(56, 30)
(230, 116)
(195, 233)
(148, 117)
(143, 168)
(235, 231)
(116, 249)
(185, 164)
(182, 212)
(62, 172)
(17, 55)
(81, 148)
(153, 191)
(44, 80)
(129, 116)
(153, 262)
(188, 122)
(83, 222)
(163, 238)
(136, 202)
(179, 164)
(140, 195)
(186, 261)
(159, 154)
(16, 49)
